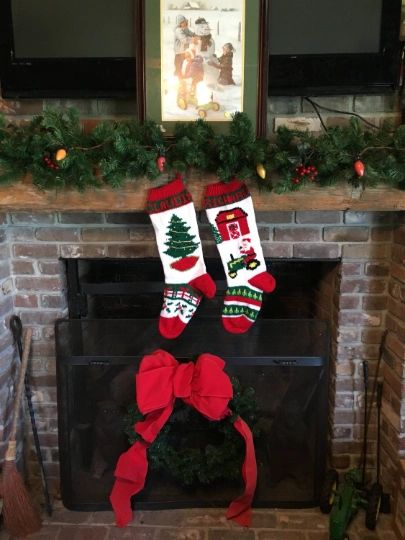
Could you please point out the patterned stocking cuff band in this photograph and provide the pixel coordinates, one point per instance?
(171, 195)
(221, 194)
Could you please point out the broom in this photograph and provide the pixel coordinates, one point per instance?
(20, 517)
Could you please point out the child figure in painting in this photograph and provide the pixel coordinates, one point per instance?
(182, 39)
(224, 64)
(192, 72)
(192, 68)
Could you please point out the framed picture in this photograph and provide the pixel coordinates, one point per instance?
(203, 59)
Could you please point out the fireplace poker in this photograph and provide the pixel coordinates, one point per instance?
(365, 427)
(17, 331)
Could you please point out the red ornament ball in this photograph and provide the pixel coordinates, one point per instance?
(160, 162)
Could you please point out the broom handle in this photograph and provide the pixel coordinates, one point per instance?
(12, 443)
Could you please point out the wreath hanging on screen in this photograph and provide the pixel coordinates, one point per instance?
(194, 450)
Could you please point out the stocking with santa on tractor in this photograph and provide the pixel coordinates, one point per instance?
(233, 225)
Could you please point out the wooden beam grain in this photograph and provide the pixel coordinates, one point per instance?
(131, 197)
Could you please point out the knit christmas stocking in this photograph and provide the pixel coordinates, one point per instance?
(232, 219)
(174, 220)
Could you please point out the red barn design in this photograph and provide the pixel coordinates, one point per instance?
(232, 224)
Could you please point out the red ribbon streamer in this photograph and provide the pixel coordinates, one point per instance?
(204, 386)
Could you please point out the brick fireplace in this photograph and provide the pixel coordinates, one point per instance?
(361, 297)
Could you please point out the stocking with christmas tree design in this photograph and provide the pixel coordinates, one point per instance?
(173, 217)
(231, 216)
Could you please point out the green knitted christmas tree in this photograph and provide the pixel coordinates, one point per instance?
(180, 244)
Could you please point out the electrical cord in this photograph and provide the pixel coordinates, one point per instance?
(317, 106)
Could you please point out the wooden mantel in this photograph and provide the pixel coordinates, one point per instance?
(23, 196)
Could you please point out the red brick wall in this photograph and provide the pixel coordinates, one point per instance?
(393, 425)
(353, 298)
(281, 110)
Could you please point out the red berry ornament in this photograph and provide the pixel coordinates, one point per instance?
(49, 163)
(303, 172)
(160, 162)
(359, 167)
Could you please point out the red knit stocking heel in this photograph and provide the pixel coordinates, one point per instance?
(174, 220)
(232, 219)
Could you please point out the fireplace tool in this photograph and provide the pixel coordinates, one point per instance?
(17, 330)
(344, 500)
(20, 515)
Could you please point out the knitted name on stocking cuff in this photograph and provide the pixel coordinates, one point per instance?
(171, 195)
(221, 194)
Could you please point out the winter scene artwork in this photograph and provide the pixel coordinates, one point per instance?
(202, 59)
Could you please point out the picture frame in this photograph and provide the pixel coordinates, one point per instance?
(176, 78)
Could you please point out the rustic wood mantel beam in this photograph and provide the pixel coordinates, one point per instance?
(23, 196)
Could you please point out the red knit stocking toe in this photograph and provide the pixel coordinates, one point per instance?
(264, 281)
(205, 285)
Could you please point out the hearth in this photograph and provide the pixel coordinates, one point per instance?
(113, 308)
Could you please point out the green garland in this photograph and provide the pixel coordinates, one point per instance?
(194, 450)
(334, 153)
(115, 151)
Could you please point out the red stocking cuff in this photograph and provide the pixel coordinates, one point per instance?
(221, 193)
(169, 196)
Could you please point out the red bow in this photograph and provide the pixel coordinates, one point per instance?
(204, 386)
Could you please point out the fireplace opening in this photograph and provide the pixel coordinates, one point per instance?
(113, 312)
(132, 288)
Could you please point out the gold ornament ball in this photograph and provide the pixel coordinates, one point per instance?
(261, 171)
(60, 154)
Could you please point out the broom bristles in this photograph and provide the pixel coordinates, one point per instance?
(20, 517)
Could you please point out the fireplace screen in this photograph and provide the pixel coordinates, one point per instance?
(285, 362)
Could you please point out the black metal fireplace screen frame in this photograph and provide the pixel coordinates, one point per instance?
(271, 344)
(280, 346)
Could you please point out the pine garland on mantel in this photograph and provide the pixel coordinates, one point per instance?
(55, 150)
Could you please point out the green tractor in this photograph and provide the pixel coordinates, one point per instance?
(245, 261)
(344, 500)
(187, 99)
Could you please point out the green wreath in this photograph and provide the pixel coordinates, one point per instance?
(194, 450)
